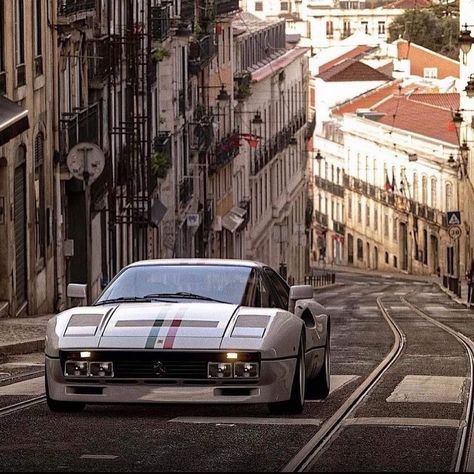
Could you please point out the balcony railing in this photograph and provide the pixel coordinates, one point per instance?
(226, 7)
(160, 22)
(321, 218)
(3, 83)
(99, 61)
(81, 125)
(185, 190)
(187, 10)
(339, 228)
(226, 150)
(201, 51)
(73, 7)
(329, 186)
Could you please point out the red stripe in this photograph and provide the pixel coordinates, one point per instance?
(170, 337)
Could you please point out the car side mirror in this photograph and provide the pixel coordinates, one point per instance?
(299, 292)
(76, 290)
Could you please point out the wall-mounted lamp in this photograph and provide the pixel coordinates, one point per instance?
(223, 95)
(465, 41)
(457, 119)
(469, 89)
(464, 151)
(318, 156)
(257, 119)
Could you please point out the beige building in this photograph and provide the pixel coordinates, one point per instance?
(28, 164)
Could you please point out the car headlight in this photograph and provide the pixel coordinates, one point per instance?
(101, 369)
(246, 370)
(83, 368)
(76, 368)
(217, 370)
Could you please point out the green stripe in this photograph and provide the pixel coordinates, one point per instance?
(155, 330)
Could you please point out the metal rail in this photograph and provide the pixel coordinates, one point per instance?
(310, 451)
(9, 410)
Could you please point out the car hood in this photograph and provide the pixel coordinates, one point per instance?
(193, 325)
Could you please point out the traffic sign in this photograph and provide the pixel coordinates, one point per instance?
(455, 232)
(454, 218)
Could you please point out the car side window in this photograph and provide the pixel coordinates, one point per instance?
(280, 286)
(266, 296)
(251, 291)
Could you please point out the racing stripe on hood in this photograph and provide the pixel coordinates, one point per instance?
(155, 329)
(170, 337)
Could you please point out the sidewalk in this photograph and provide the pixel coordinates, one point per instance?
(26, 335)
(22, 335)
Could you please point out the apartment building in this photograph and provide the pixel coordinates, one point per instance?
(28, 162)
(270, 170)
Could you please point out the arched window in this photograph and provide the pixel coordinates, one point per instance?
(449, 197)
(434, 192)
(424, 190)
(415, 187)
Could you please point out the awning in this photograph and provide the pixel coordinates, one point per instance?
(13, 120)
(234, 219)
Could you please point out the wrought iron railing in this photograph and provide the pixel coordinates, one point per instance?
(81, 125)
(226, 7)
(321, 218)
(160, 22)
(72, 7)
(201, 51)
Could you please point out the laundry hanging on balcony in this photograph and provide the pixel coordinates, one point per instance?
(251, 139)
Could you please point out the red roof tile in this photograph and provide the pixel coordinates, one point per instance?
(351, 70)
(355, 53)
(408, 4)
(404, 113)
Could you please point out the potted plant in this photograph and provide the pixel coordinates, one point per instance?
(161, 53)
(160, 164)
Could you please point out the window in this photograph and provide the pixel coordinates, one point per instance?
(360, 249)
(359, 212)
(367, 215)
(284, 6)
(430, 73)
(365, 27)
(280, 285)
(415, 187)
(20, 42)
(424, 190)
(349, 208)
(259, 6)
(395, 229)
(386, 257)
(38, 38)
(376, 219)
(434, 191)
(385, 230)
(381, 29)
(329, 29)
(346, 29)
(39, 200)
(3, 84)
(449, 197)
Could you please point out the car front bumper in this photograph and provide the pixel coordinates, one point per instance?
(274, 385)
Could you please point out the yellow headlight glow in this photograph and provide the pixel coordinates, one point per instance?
(232, 355)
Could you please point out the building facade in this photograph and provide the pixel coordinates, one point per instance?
(28, 162)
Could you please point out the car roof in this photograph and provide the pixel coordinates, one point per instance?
(199, 261)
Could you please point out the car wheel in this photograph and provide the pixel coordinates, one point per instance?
(296, 403)
(62, 407)
(321, 385)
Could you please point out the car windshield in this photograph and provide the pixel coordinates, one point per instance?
(219, 283)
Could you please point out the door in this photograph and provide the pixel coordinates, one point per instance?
(20, 235)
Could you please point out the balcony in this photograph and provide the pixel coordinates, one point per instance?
(339, 228)
(99, 62)
(160, 22)
(201, 51)
(185, 190)
(78, 8)
(226, 150)
(81, 125)
(227, 7)
(321, 218)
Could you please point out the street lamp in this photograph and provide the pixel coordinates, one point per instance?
(465, 41)
(469, 89)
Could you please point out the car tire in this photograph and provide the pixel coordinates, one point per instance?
(62, 407)
(321, 385)
(295, 404)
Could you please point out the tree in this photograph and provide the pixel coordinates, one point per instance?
(430, 28)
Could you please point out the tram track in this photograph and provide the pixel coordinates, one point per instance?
(464, 458)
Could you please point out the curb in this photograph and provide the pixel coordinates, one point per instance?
(25, 347)
(451, 295)
(332, 285)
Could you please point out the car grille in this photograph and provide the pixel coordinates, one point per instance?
(158, 365)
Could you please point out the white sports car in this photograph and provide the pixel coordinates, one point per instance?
(191, 331)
